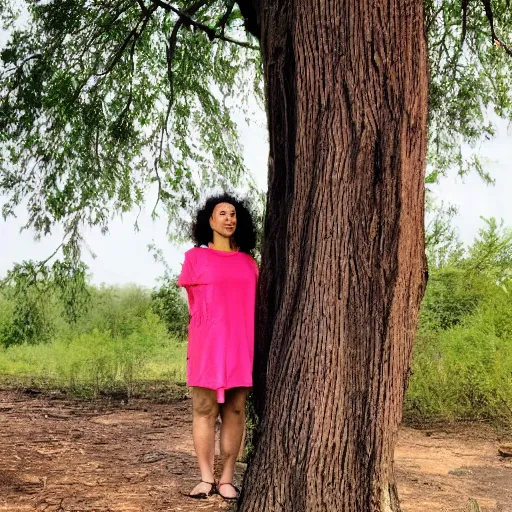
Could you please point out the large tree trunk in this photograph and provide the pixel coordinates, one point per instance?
(343, 269)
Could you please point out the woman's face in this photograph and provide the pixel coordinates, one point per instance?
(223, 219)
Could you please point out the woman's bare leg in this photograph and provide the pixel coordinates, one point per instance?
(205, 412)
(231, 434)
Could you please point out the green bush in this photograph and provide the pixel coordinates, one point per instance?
(170, 304)
(115, 309)
(461, 373)
(96, 362)
(452, 295)
(29, 316)
(462, 362)
(6, 319)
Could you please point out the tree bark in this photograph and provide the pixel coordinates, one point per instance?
(343, 264)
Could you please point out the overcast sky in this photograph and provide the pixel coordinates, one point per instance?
(473, 197)
(123, 256)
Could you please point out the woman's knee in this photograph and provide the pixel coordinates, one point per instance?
(235, 403)
(205, 404)
(235, 410)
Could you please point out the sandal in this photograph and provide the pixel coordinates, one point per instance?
(204, 495)
(228, 498)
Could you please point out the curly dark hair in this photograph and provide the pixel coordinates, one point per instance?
(245, 232)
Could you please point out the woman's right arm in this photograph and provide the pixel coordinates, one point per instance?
(187, 275)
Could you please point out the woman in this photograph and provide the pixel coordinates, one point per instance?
(220, 277)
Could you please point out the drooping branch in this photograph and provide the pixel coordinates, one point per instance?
(142, 6)
(130, 39)
(186, 19)
(171, 44)
(44, 262)
(146, 17)
(490, 17)
(134, 34)
(15, 73)
(116, 57)
(170, 50)
(102, 29)
(132, 73)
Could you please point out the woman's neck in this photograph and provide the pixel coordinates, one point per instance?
(221, 243)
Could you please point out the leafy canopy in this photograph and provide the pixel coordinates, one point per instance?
(470, 78)
(107, 105)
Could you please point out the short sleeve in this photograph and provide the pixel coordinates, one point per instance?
(187, 275)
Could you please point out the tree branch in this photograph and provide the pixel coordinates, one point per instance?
(43, 263)
(209, 31)
(142, 6)
(135, 34)
(130, 94)
(159, 181)
(104, 27)
(464, 20)
(225, 17)
(433, 18)
(250, 10)
(18, 67)
(490, 17)
(119, 52)
(171, 45)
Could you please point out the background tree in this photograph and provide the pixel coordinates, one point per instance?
(101, 100)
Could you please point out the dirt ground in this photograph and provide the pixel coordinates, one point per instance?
(106, 455)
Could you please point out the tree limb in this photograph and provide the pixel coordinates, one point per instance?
(103, 29)
(119, 52)
(43, 263)
(171, 44)
(147, 16)
(142, 6)
(432, 19)
(209, 31)
(18, 67)
(490, 17)
(130, 94)
(225, 17)
(250, 10)
(464, 20)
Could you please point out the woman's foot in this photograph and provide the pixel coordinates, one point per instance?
(203, 490)
(228, 491)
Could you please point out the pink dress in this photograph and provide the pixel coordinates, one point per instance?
(221, 288)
